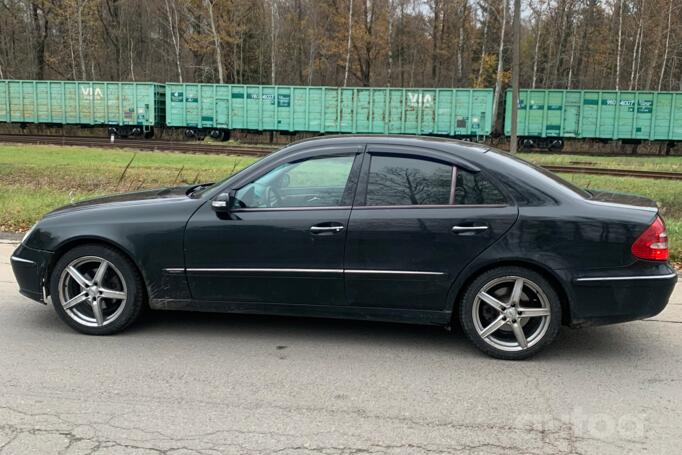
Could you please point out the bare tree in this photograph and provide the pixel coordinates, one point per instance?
(516, 56)
(40, 13)
(500, 64)
(273, 41)
(131, 60)
(460, 41)
(350, 35)
(216, 41)
(484, 39)
(436, 7)
(638, 37)
(80, 4)
(639, 59)
(574, 34)
(172, 22)
(620, 39)
(538, 32)
(72, 52)
(389, 14)
(667, 45)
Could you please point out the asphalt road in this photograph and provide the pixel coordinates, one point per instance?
(182, 383)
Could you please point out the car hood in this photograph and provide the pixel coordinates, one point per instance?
(124, 199)
(622, 198)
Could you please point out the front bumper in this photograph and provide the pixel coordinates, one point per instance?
(602, 300)
(30, 268)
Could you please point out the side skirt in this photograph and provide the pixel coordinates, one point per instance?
(319, 311)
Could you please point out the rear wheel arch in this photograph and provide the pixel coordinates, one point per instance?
(461, 285)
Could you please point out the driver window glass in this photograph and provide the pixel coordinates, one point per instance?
(316, 182)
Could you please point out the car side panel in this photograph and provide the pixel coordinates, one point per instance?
(149, 232)
(412, 254)
(570, 241)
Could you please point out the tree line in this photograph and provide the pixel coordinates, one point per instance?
(602, 44)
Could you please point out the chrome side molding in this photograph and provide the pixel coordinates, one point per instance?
(264, 270)
(287, 270)
(626, 278)
(18, 259)
(391, 272)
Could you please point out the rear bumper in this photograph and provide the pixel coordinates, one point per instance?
(602, 300)
(30, 269)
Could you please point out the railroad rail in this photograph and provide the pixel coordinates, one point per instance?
(615, 172)
(224, 149)
(139, 144)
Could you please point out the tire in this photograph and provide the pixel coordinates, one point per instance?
(95, 307)
(498, 323)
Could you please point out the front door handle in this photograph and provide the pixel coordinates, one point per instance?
(324, 227)
(462, 229)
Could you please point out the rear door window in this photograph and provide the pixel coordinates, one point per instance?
(406, 181)
(397, 180)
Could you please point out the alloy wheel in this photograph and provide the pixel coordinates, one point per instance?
(92, 291)
(511, 313)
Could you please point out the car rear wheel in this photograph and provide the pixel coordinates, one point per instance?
(96, 290)
(510, 313)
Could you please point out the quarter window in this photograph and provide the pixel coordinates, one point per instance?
(475, 189)
(316, 182)
(408, 181)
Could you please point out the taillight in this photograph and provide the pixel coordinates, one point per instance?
(652, 245)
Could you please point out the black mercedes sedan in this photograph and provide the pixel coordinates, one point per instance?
(407, 229)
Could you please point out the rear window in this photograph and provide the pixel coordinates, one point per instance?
(568, 185)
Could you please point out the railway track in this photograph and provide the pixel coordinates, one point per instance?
(615, 172)
(139, 144)
(221, 149)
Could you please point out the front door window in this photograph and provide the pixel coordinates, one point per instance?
(315, 182)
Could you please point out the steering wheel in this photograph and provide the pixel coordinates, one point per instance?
(272, 197)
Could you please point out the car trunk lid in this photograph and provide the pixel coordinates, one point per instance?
(623, 198)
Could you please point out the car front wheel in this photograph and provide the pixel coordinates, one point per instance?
(510, 313)
(96, 290)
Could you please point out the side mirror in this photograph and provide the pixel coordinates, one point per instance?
(223, 202)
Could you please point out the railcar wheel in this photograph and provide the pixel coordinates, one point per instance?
(510, 313)
(216, 134)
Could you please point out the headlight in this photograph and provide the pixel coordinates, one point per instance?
(28, 234)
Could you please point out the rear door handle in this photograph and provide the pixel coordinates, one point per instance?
(458, 229)
(318, 229)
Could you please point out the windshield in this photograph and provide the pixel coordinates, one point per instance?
(205, 189)
(200, 190)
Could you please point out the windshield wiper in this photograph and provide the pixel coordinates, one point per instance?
(194, 189)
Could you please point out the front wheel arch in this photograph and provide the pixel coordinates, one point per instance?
(73, 243)
(461, 285)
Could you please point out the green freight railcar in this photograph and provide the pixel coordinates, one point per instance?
(128, 108)
(214, 109)
(547, 117)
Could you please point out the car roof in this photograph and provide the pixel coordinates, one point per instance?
(440, 143)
